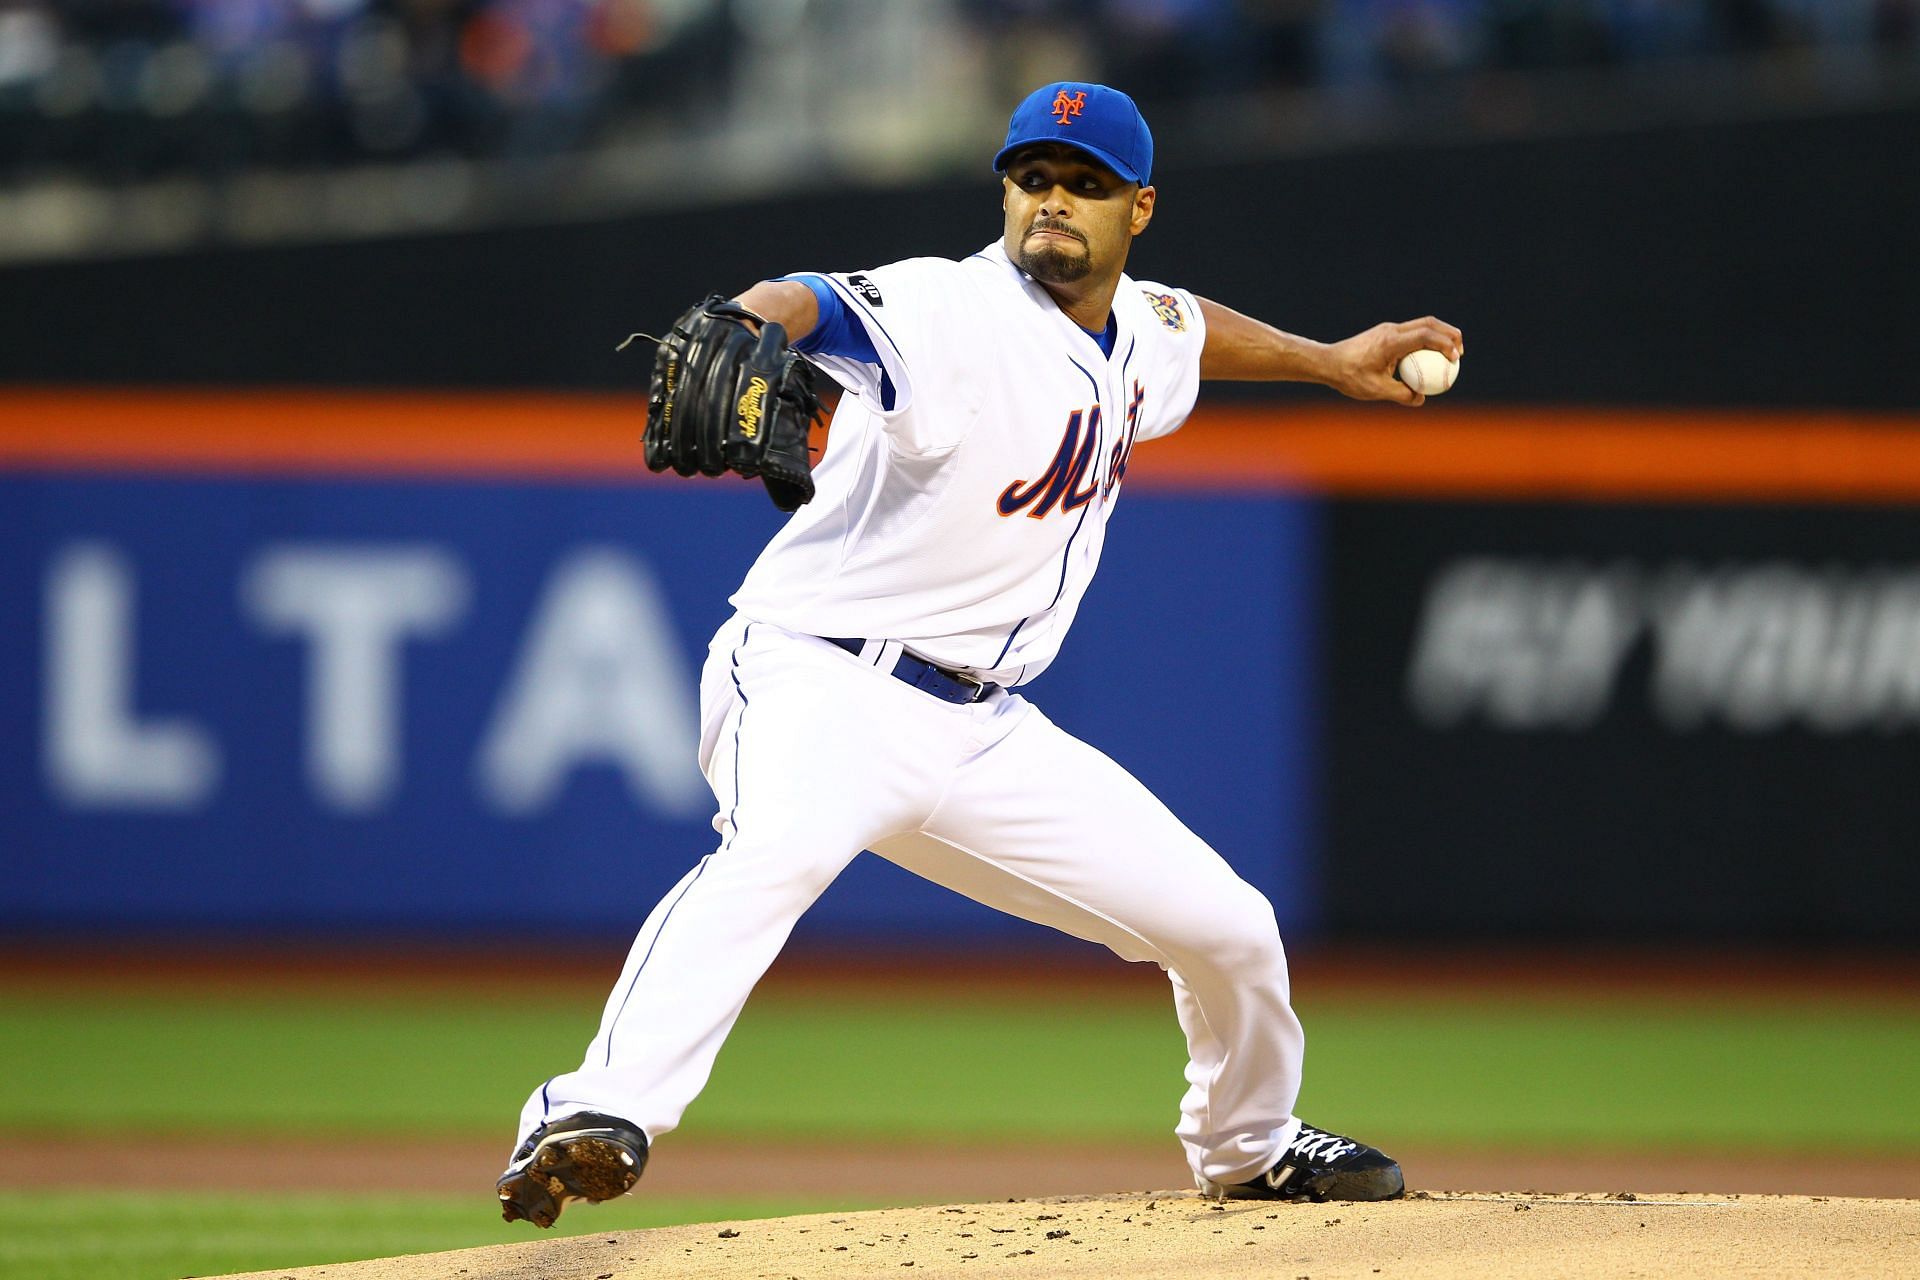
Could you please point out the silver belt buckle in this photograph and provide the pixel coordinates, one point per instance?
(954, 673)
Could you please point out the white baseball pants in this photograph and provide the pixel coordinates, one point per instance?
(815, 755)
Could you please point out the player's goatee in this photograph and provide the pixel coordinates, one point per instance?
(1055, 266)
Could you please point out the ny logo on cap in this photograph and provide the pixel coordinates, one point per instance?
(1065, 108)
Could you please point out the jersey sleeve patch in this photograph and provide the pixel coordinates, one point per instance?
(854, 345)
(1168, 309)
(1168, 361)
(836, 332)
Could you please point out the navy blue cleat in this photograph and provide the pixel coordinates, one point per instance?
(588, 1157)
(1319, 1166)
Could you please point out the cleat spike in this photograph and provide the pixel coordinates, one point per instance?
(590, 1156)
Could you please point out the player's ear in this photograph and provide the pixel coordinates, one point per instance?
(1142, 209)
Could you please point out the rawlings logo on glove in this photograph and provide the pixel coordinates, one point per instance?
(724, 399)
(750, 408)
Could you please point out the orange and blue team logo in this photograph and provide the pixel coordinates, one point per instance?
(1167, 307)
(1065, 108)
(1066, 485)
(1123, 447)
(1061, 483)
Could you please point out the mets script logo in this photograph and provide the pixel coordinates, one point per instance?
(1072, 478)
(1167, 307)
(752, 404)
(1065, 108)
(1123, 447)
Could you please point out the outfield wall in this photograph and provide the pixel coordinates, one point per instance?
(424, 664)
(343, 691)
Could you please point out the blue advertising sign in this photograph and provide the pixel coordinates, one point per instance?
(433, 706)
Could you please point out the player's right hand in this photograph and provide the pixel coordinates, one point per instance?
(1361, 367)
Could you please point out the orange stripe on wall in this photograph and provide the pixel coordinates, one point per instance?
(1617, 454)
(358, 433)
(1445, 450)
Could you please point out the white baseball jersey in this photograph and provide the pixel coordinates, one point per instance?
(964, 496)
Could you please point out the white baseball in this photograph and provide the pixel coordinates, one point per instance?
(1428, 372)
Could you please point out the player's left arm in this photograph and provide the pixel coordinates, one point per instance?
(1241, 349)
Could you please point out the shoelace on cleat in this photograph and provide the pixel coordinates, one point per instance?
(1314, 1142)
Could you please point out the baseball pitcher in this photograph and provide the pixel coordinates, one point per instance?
(865, 695)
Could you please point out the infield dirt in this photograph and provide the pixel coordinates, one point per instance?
(1180, 1234)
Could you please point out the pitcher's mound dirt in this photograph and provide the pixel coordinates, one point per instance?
(1180, 1234)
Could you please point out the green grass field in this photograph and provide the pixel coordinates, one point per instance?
(1559, 1073)
(1527, 1072)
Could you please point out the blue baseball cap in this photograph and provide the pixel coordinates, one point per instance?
(1100, 121)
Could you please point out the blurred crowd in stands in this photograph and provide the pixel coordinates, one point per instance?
(135, 89)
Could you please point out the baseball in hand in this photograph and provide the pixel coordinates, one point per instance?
(1428, 372)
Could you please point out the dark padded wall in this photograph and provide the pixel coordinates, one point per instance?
(1743, 264)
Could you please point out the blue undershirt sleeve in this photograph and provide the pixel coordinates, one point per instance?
(838, 332)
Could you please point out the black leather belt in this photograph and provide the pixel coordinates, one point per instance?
(943, 683)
